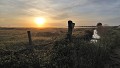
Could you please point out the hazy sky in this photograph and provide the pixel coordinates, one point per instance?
(58, 12)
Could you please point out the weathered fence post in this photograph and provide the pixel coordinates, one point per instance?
(69, 37)
(29, 37)
(70, 29)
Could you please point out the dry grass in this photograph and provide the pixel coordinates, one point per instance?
(51, 50)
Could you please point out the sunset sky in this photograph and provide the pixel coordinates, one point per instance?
(22, 13)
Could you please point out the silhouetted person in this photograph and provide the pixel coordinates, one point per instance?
(98, 32)
(100, 29)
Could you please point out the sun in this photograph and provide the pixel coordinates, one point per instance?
(40, 21)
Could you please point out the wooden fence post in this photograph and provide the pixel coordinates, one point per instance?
(29, 37)
(70, 29)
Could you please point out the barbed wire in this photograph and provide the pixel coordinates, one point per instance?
(13, 35)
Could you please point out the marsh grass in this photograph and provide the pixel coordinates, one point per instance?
(53, 51)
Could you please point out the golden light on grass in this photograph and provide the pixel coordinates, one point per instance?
(40, 21)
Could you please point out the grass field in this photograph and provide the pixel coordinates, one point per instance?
(51, 50)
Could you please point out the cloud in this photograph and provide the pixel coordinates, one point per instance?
(78, 10)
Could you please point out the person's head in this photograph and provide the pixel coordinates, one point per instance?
(99, 24)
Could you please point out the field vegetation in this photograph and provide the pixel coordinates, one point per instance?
(50, 49)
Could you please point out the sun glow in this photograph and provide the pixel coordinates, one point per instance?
(40, 21)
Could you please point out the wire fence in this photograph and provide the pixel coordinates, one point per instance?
(34, 37)
(37, 37)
